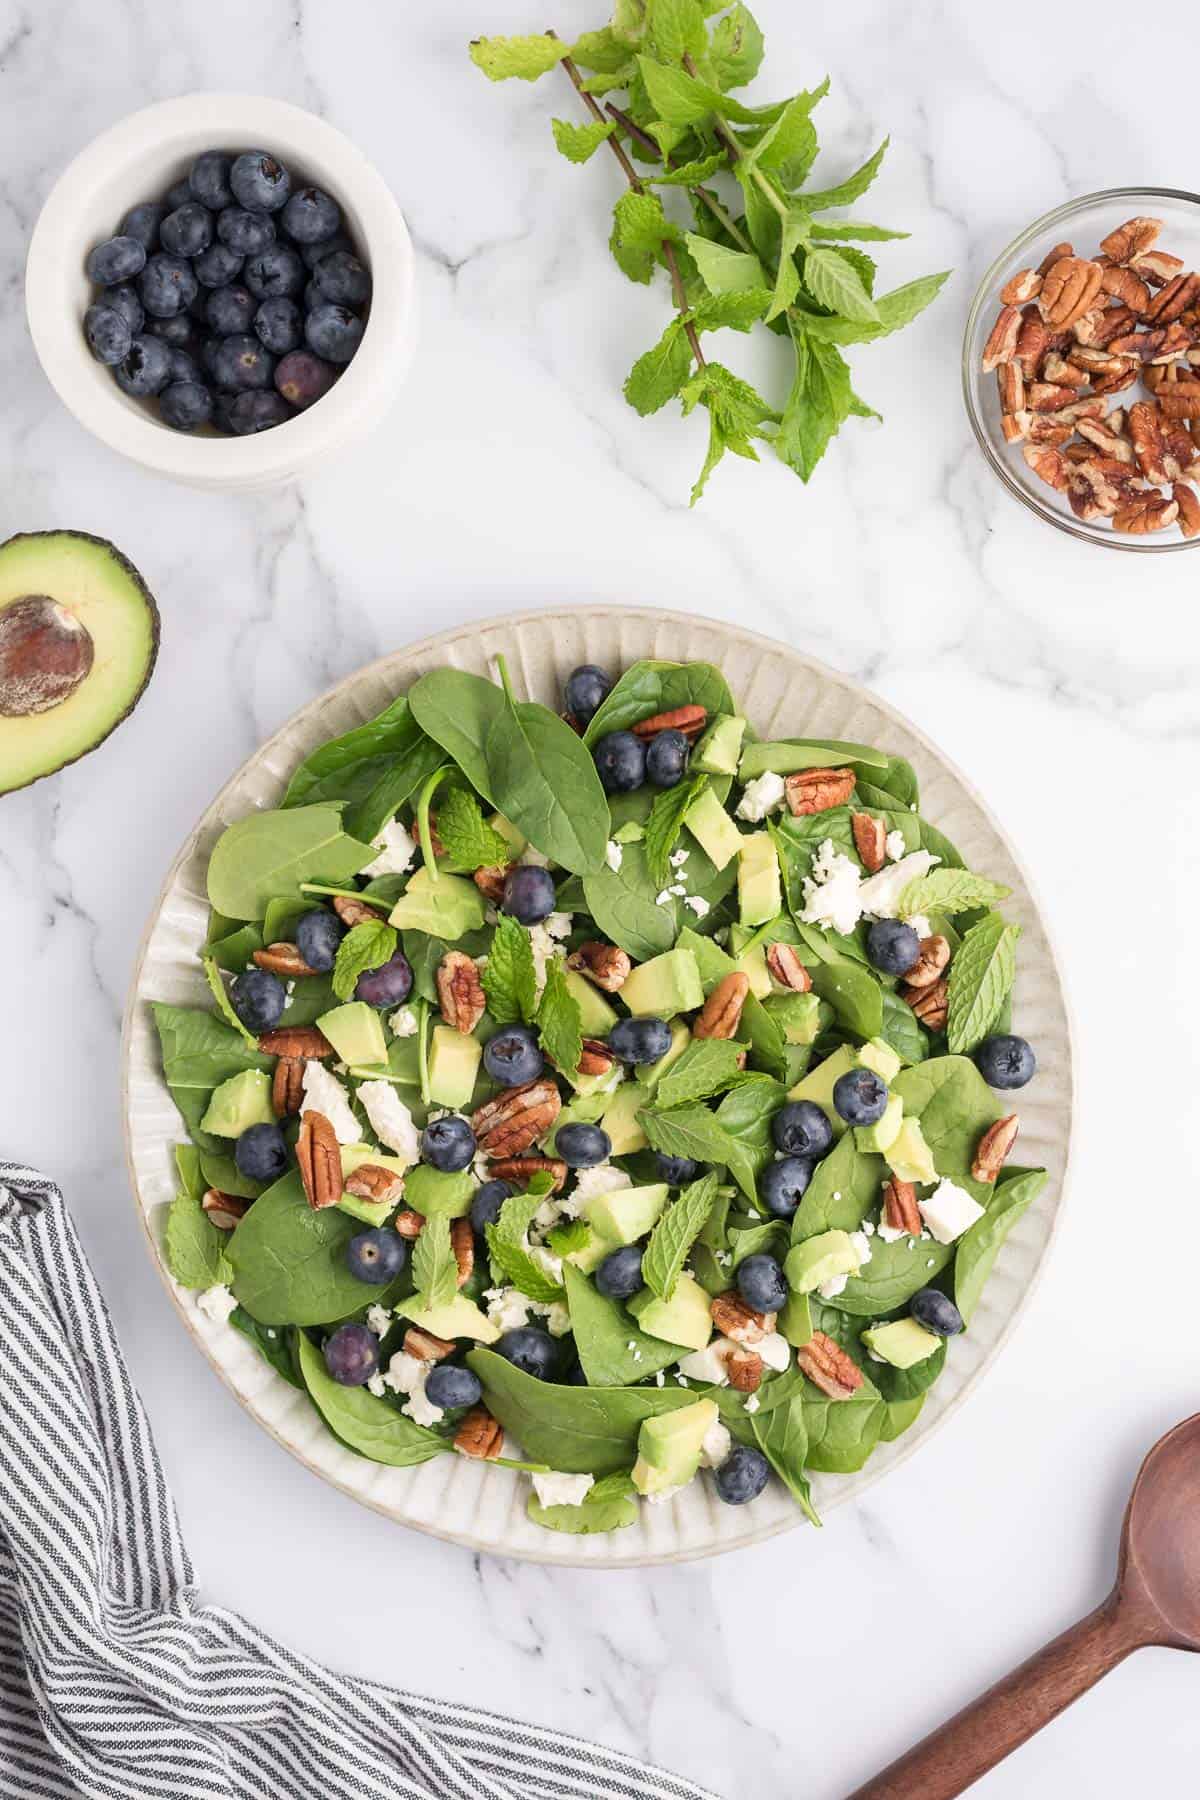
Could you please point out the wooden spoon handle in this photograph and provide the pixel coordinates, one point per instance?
(980, 1736)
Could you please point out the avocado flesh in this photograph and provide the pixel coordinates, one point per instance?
(91, 580)
(238, 1103)
(669, 1446)
(666, 985)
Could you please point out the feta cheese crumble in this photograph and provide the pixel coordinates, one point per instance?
(396, 850)
(895, 845)
(391, 1120)
(763, 795)
(881, 893)
(752, 1404)
(403, 1022)
(324, 1093)
(216, 1303)
(602, 1179)
(554, 1489)
(716, 1445)
(698, 904)
(829, 1290)
(613, 853)
(832, 892)
(507, 1308)
(407, 1375)
(708, 1365)
(949, 1211)
(379, 1320)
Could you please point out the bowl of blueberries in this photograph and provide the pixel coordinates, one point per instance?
(221, 288)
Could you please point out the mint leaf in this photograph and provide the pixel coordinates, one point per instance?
(847, 190)
(579, 142)
(509, 1256)
(980, 980)
(434, 1265)
(364, 947)
(850, 228)
(658, 376)
(567, 1238)
(736, 51)
(833, 282)
(681, 100)
(689, 173)
(818, 403)
(725, 271)
(787, 276)
(610, 79)
(666, 822)
(790, 144)
(735, 414)
(676, 29)
(642, 224)
(897, 309)
(559, 1021)
(502, 58)
(601, 50)
(195, 1249)
(734, 312)
(688, 1131)
(706, 1067)
(675, 1233)
(468, 841)
(638, 265)
(508, 977)
(949, 891)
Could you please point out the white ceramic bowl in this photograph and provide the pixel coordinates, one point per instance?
(472, 1503)
(139, 159)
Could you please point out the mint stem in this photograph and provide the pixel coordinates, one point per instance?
(726, 136)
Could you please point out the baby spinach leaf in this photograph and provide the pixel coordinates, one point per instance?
(844, 1187)
(666, 822)
(364, 947)
(370, 1426)
(981, 978)
(842, 1433)
(907, 1384)
(468, 841)
(768, 1239)
(509, 981)
(268, 854)
(220, 1171)
(198, 1053)
(623, 904)
(546, 783)
(782, 1436)
(578, 1430)
(311, 996)
(745, 1116)
(428, 1191)
(425, 953)
(274, 1343)
(894, 1274)
(588, 1517)
(757, 1029)
(457, 711)
(949, 890)
(899, 1416)
(854, 994)
(647, 688)
(434, 1266)
(283, 913)
(559, 1020)
(706, 1067)
(614, 1351)
(212, 975)
(955, 1106)
(901, 1029)
(235, 950)
(371, 770)
(289, 1262)
(1016, 1191)
(674, 1233)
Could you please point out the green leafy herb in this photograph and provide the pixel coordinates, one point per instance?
(1016, 1191)
(212, 975)
(509, 978)
(949, 891)
(268, 854)
(195, 1249)
(676, 1231)
(707, 1067)
(364, 947)
(469, 842)
(559, 1020)
(506, 1241)
(666, 822)
(579, 1430)
(434, 1266)
(502, 58)
(980, 981)
(579, 142)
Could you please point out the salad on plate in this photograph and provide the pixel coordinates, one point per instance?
(611, 1094)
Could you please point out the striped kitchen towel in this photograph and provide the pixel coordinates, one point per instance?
(115, 1682)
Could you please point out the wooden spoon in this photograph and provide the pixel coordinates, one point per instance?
(1156, 1600)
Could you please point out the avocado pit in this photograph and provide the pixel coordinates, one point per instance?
(45, 654)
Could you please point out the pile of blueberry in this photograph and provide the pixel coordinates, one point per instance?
(624, 761)
(236, 300)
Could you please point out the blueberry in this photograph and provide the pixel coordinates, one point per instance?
(587, 687)
(351, 1355)
(258, 997)
(391, 983)
(184, 367)
(376, 1256)
(117, 259)
(582, 1146)
(667, 758)
(123, 299)
(782, 1185)
(860, 1097)
(318, 934)
(512, 1057)
(312, 254)
(185, 404)
(620, 762)
(312, 216)
(762, 1283)
(166, 286)
(187, 231)
(1005, 1061)
(450, 1386)
(108, 336)
(178, 333)
(242, 364)
(893, 946)
(485, 1207)
(261, 410)
(742, 1476)
(532, 1351)
(936, 1313)
(197, 308)
(259, 183)
(342, 278)
(146, 369)
(278, 325)
(230, 310)
(676, 1171)
(528, 894)
(142, 222)
(311, 297)
(179, 195)
(448, 1144)
(217, 266)
(620, 1274)
(208, 180)
(223, 404)
(333, 332)
(276, 271)
(640, 1040)
(302, 377)
(802, 1128)
(261, 1153)
(208, 354)
(245, 233)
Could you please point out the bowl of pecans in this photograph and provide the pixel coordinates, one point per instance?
(1081, 368)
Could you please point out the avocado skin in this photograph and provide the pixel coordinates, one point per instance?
(151, 605)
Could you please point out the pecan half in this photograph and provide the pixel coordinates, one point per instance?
(1146, 512)
(370, 1181)
(1049, 396)
(356, 912)
(828, 1367)
(1189, 509)
(1090, 493)
(462, 1242)
(320, 1161)
(818, 790)
(1180, 401)
(1108, 442)
(1069, 289)
(479, 1435)
(1126, 287)
(409, 1224)
(745, 1370)
(931, 964)
(1115, 384)
(721, 1013)
(1145, 431)
(1053, 256)
(1105, 326)
(1047, 464)
(870, 840)
(931, 1004)
(490, 882)
(516, 1119)
(426, 1346)
(736, 1320)
(1001, 346)
(1129, 239)
(1048, 428)
(224, 1210)
(783, 961)
(1063, 374)
(691, 720)
(283, 959)
(287, 1087)
(604, 965)
(1157, 266)
(1031, 342)
(1010, 381)
(991, 1152)
(1025, 285)
(900, 1207)
(520, 1170)
(460, 991)
(595, 1058)
(303, 1041)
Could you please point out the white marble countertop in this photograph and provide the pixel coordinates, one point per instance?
(1064, 680)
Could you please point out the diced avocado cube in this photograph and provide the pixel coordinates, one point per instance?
(669, 1446)
(650, 1074)
(356, 1033)
(883, 1134)
(516, 840)
(908, 1156)
(596, 1016)
(819, 1083)
(903, 1343)
(623, 1215)
(428, 1190)
(593, 1252)
(453, 1065)
(713, 829)
(752, 963)
(795, 1321)
(631, 832)
(760, 896)
(718, 750)
(458, 1318)
(881, 1058)
(683, 1319)
(238, 1103)
(819, 1259)
(800, 1017)
(666, 985)
(371, 1212)
(620, 1119)
(448, 907)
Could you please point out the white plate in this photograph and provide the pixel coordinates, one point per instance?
(780, 690)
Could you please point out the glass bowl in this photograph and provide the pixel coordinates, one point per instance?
(1082, 223)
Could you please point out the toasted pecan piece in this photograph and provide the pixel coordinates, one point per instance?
(691, 720)
(320, 1160)
(1047, 464)
(1069, 290)
(1001, 346)
(900, 1207)
(371, 1181)
(744, 1369)
(1025, 285)
(1010, 382)
(870, 839)
(479, 1435)
(462, 1242)
(490, 882)
(1090, 493)
(223, 1210)
(1143, 513)
(1053, 256)
(1189, 509)
(303, 1041)
(605, 965)
(1157, 266)
(357, 912)
(931, 964)
(1149, 449)
(283, 959)
(1127, 287)
(426, 1346)
(1129, 239)
(785, 966)
(1050, 396)
(520, 1170)
(1032, 340)
(734, 1319)
(721, 1013)
(931, 1004)
(409, 1224)
(829, 1367)
(991, 1152)
(517, 1118)
(818, 790)
(595, 1058)
(460, 991)
(287, 1087)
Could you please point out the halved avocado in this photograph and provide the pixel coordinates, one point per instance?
(78, 640)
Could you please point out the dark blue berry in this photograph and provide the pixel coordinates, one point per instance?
(485, 1207)
(376, 1256)
(187, 231)
(258, 411)
(676, 1171)
(860, 1097)
(333, 332)
(312, 216)
(117, 259)
(311, 297)
(245, 233)
(587, 686)
(782, 1185)
(242, 364)
(1006, 1061)
(217, 266)
(178, 333)
(893, 946)
(259, 183)
(230, 310)
(391, 983)
(146, 369)
(142, 222)
(667, 759)
(532, 1351)
(512, 1056)
(449, 1385)
(318, 934)
(223, 404)
(936, 1313)
(352, 1355)
(184, 367)
(108, 336)
(342, 278)
(123, 299)
(448, 1144)
(802, 1128)
(742, 1476)
(302, 378)
(528, 894)
(640, 1040)
(278, 325)
(620, 762)
(261, 1153)
(258, 999)
(582, 1146)
(208, 180)
(620, 1274)
(197, 309)
(762, 1283)
(178, 195)
(184, 405)
(312, 254)
(167, 286)
(275, 272)
(208, 354)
